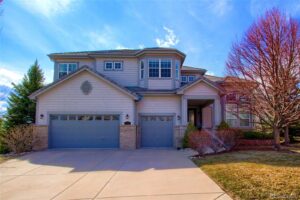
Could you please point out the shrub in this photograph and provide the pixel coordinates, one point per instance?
(256, 135)
(20, 139)
(189, 129)
(223, 125)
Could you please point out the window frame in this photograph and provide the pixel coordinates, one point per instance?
(142, 70)
(159, 68)
(177, 71)
(240, 110)
(186, 77)
(68, 71)
(112, 66)
(191, 76)
(121, 66)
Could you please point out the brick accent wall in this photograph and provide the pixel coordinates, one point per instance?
(128, 135)
(42, 133)
(178, 135)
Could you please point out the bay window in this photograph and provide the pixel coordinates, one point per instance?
(66, 68)
(165, 70)
(153, 68)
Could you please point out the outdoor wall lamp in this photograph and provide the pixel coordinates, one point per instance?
(178, 117)
(127, 116)
(41, 116)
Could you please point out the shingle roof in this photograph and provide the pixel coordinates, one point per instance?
(118, 52)
(214, 78)
(193, 69)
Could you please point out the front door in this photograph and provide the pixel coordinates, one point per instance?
(192, 117)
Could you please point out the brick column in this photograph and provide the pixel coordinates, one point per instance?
(128, 136)
(42, 133)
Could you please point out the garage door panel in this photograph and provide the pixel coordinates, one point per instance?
(157, 131)
(84, 133)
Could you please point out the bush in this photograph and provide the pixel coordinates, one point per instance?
(255, 135)
(223, 125)
(189, 129)
(20, 139)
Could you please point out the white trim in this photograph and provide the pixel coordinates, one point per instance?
(140, 67)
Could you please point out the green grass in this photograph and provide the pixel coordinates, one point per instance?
(255, 174)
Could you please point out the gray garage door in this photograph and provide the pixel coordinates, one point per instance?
(156, 131)
(84, 131)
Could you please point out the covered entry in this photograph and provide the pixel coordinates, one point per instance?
(156, 131)
(84, 131)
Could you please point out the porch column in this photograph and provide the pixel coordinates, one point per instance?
(217, 112)
(184, 108)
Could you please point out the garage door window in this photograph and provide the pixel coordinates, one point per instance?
(85, 117)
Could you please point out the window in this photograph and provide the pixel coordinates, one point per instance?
(192, 78)
(244, 116)
(231, 114)
(165, 70)
(237, 116)
(184, 79)
(160, 68)
(153, 68)
(117, 65)
(66, 68)
(142, 70)
(231, 97)
(177, 69)
(108, 65)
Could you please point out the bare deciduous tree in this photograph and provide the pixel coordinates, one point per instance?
(265, 66)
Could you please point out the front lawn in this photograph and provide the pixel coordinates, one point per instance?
(255, 174)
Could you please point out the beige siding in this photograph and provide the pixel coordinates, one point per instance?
(201, 89)
(160, 84)
(160, 104)
(127, 77)
(68, 98)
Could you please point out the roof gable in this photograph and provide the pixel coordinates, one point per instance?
(79, 71)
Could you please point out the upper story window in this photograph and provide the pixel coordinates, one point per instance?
(66, 68)
(153, 68)
(117, 66)
(192, 78)
(159, 68)
(142, 70)
(184, 79)
(177, 69)
(165, 70)
(231, 96)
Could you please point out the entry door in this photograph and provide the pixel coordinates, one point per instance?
(157, 131)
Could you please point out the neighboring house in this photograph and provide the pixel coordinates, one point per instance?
(128, 99)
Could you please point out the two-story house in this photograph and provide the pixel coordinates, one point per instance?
(128, 99)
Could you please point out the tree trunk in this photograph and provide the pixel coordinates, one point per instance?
(276, 138)
(286, 136)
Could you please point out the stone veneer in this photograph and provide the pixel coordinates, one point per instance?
(128, 137)
(178, 135)
(42, 134)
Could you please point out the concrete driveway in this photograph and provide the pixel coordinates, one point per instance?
(106, 174)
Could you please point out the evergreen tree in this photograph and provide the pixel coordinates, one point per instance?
(21, 109)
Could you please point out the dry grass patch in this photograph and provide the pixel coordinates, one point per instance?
(3, 158)
(255, 174)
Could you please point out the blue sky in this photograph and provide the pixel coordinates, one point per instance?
(203, 29)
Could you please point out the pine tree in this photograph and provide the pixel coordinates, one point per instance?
(21, 109)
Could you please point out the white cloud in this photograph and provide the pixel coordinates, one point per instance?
(141, 46)
(220, 7)
(121, 47)
(169, 40)
(47, 8)
(104, 39)
(9, 76)
(210, 73)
